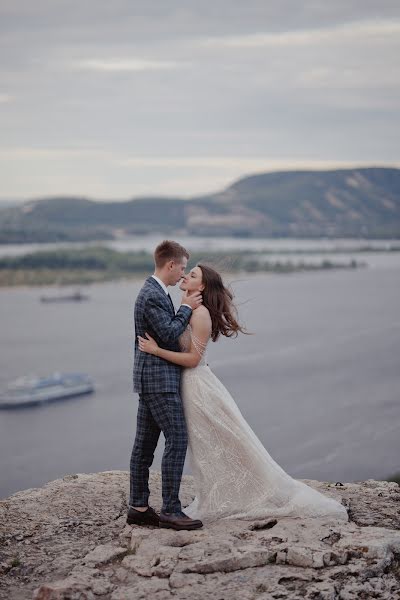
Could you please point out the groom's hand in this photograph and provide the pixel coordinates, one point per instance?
(193, 300)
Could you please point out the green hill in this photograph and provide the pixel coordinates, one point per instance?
(343, 202)
(347, 202)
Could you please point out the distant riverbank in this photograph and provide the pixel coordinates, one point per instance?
(272, 246)
(96, 264)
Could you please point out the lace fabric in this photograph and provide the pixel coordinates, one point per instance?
(185, 341)
(234, 475)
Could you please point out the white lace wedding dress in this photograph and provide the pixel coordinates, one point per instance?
(234, 476)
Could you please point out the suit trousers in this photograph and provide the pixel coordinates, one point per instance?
(159, 412)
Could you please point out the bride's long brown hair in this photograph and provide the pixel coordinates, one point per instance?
(218, 299)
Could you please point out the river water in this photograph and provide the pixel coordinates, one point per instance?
(319, 381)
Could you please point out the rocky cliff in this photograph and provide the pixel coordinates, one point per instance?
(70, 540)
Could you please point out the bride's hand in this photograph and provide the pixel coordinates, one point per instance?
(148, 345)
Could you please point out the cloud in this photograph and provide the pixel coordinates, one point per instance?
(238, 163)
(98, 173)
(184, 98)
(346, 32)
(205, 162)
(127, 64)
(6, 98)
(22, 153)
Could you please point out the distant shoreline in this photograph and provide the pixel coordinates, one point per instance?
(392, 244)
(99, 264)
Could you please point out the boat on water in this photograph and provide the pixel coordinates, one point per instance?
(31, 390)
(75, 297)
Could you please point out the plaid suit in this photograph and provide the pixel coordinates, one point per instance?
(160, 406)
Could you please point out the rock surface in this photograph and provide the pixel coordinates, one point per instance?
(69, 540)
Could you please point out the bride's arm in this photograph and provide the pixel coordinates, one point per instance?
(201, 329)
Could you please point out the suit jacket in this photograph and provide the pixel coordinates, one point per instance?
(155, 314)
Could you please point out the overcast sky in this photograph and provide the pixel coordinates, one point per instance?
(112, 100)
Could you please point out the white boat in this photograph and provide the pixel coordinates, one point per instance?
(30, 390)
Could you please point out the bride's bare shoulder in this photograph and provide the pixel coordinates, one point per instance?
(201, 315)
(201, 312)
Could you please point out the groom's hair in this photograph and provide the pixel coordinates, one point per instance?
(169, 250)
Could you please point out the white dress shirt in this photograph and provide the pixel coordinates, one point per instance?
(164, 287)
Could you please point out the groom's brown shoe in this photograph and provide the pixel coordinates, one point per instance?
(146, 517)
(179, 521)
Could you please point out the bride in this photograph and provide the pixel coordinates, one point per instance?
(234, 476)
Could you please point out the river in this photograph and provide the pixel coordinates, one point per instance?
(318, 381)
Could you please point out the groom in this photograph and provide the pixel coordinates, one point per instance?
(158, 383)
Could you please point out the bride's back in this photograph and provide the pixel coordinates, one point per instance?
(197, 334)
